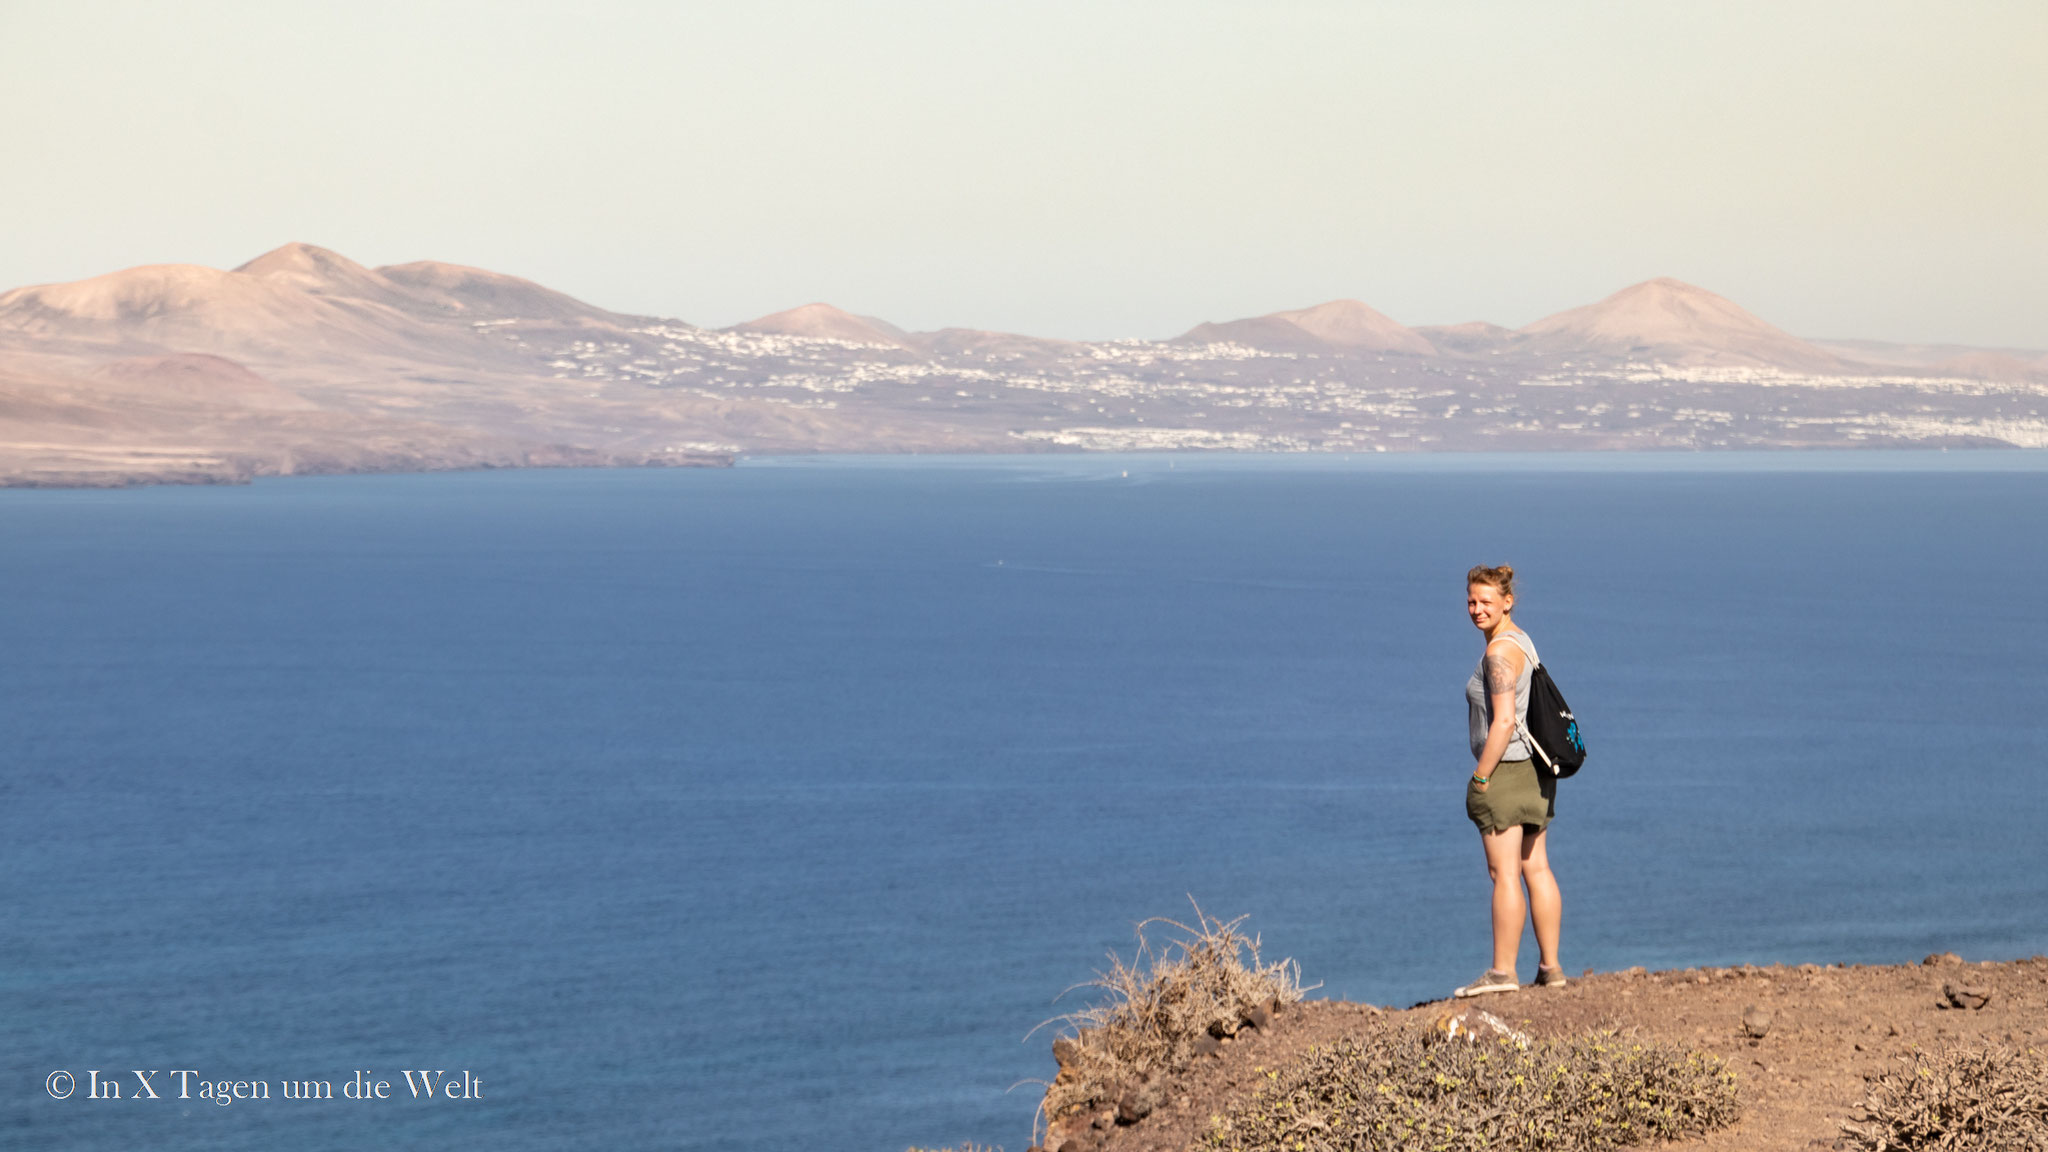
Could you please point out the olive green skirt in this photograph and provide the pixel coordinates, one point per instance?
(1513, 796)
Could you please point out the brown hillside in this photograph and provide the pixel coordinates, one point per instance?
(1000, 345)
(303, 360)
(1351, 324)
(1474, 337)
(825, 322)
(1672, 321)
(317, 270)
(1337, 326)
(193, 378)
(287, 307)
(477, 294)
(291, 301)
(1994, 366)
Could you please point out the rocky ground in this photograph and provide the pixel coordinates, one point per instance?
(1802, 1039)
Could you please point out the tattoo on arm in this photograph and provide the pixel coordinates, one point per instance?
(1500, 675)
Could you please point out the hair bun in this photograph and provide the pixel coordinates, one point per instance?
(1501, 576)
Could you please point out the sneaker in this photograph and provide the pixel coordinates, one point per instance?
(1550, 977)
(1489, 981)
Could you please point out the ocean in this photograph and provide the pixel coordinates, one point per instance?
(771, 808)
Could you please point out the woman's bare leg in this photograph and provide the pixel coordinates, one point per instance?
(1504, 865)
(1546, 904)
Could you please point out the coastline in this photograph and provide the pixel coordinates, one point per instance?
(96, 470)
(75, 471)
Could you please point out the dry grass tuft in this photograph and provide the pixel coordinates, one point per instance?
(1414, 1087)
(1990, 1098)
(1204, 982)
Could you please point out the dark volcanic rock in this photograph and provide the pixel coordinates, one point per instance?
(1136, 1102)
(1966, 996)
(1756, 1022)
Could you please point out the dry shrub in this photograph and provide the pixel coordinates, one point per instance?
(1992, 1099)
(1205, 979)
(1414, 1087)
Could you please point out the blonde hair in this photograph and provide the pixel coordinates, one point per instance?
(1501, 577)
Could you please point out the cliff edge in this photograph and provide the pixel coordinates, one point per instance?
(1807, 1047)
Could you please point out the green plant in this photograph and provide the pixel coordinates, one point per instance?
(1416, 1088)
(1989, 1098)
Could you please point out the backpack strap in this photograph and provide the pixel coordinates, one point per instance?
(1528, 647)
(1530, 743)
(1521, 640)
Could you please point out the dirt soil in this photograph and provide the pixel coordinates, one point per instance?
(1828, 1028)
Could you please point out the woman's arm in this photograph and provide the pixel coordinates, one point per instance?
(1503, 669)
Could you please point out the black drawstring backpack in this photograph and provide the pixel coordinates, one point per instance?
(1552, 733)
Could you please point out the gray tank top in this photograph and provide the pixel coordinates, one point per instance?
(1479, 708)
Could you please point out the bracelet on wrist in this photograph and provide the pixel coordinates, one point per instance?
(1482, 779)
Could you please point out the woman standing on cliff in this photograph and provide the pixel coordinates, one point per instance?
(1508, 799)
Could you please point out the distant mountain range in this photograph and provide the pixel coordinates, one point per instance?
(303, 360)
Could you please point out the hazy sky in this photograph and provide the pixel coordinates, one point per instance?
(1875, 169)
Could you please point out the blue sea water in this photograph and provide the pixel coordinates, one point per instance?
(770, 808)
